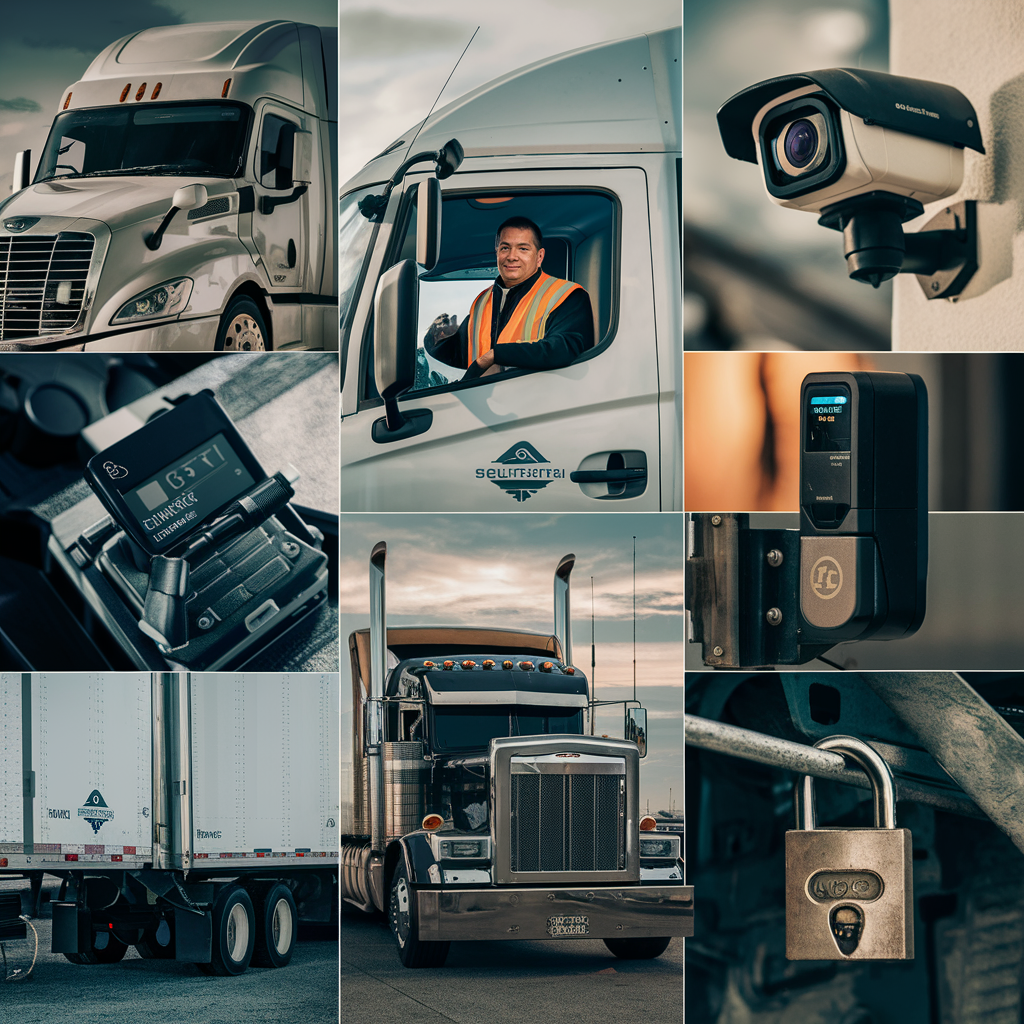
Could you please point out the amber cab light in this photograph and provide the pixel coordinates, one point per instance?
(546, 666)
(507, 665)
(648, 823)
(569, 670)
(469, 664)
(66, 102)
(224, 91)
(156, 90)
(141, 92)
(448, 666)
(526, 666)
(488, 663)
(428, 664)
(432, 822)
(124, 92)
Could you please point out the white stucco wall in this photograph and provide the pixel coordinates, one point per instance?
(977, 46)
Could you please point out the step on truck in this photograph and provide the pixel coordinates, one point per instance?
(192, 816)
(185, 198)
(474, 806)
(586, 145)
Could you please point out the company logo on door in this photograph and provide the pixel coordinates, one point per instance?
(826, 577)
(95, 810)
(522, 471)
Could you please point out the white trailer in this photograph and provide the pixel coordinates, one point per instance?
(192, 816)
(185, 198)
(587, 145)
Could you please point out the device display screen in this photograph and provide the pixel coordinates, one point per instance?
(828, 419)
(189, 490)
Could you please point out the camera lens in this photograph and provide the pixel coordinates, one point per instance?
(801, 143)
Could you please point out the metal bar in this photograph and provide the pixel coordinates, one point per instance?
(806, 760)
(967, 737)
(27, 777)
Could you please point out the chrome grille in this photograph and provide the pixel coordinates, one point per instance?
(567, 822)
(42, 283)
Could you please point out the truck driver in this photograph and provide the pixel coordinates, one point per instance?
(526, 319)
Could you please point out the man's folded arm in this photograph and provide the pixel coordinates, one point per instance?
(568, 333)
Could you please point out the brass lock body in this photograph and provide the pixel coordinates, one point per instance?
(850, 892)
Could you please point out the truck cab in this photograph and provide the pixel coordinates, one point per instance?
(475, 806)
(586, 144)
(184, 198)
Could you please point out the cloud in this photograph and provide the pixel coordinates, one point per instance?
(20, 104)
(72, 25)
(368, 33)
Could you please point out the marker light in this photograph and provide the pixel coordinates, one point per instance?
(507, 665)
(526, 666)
(428, 664)
(488, 663)
(66, 102)
(124, 92)
(156, 90)
(432, 822)
(569, 670)
(141, 92)
(469, 664)
(224, 91)
(3, 862)
(546, 666)
(448, 666)
(648, 823)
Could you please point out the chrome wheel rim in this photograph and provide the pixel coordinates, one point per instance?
(237, 933)
(282, 926)
(400, 911)
(244, 335)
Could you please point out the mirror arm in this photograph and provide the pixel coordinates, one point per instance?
(153, 241)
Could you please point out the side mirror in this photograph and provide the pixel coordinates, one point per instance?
(449, 157)
(284, 157)
(22, 169)
(302, 158)
(636, 728)
(395, 315)
(189, 197)
(428, 223)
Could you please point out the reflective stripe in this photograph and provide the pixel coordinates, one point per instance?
(527, 320)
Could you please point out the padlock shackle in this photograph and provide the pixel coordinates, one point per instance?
(883, 788)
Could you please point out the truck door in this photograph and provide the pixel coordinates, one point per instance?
(279, 228)
(513, 441)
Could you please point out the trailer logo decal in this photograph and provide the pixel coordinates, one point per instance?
(521, 474)
(95, 810)
(200, 834)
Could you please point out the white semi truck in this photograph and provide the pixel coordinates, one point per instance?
(192, 816)
(587, 145)
(185, 198)
(474, 806)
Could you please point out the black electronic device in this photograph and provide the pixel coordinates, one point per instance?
(863, 506)
(176, 473)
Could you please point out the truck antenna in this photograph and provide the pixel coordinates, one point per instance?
(593, 658)
(634, 617)
(443, 87)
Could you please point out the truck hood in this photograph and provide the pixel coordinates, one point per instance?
(117, 202)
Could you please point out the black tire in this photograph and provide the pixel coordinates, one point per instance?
(234, 932)
(277, 923)
(111, 950)
(405, 926)
(637, 949)
(149, 946)
(242, 328)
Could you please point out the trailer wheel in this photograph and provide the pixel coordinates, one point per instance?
(241, 328)
(276, 923)
(106, 949)
(404, 923)
(234, 931)
(150, 946)
(637, 949)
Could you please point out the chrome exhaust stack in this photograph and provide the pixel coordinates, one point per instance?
(563, 620)
(375, 705)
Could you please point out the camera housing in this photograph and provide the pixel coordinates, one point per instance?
(865, 150)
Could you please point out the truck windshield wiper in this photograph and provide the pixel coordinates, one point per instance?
(159, 169)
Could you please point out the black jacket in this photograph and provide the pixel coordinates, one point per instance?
(568, 333)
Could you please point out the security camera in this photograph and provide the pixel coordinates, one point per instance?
(864, 150)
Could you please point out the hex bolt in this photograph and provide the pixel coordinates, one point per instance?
(204, 622)
(935, 286)
(774, 616)
(290, 548)
(718, 652)
(716, 520)
(774, 558)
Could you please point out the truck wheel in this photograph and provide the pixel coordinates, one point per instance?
(241, 328)
(276, 923)
(404, 924)
(637, 949)
(150, 946)
(234, 930)
(107, 949)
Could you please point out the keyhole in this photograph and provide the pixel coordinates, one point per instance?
(847, 923)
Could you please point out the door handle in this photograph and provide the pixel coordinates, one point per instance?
(611, 476)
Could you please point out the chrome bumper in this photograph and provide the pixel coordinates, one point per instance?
(633, 912)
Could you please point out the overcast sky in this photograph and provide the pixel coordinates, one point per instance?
(44, 47)
(497, 570)
(396, 54)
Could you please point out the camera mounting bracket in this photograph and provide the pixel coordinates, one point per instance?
(944, 255)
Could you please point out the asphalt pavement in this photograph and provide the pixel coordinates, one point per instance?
(138, 991)
(569, 981)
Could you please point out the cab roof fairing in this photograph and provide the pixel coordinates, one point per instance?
(619, 96)
(262, 59)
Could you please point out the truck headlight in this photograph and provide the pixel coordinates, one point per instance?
(164, 300)
(455, 849)
(664, 848)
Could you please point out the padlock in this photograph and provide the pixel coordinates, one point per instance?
(850, 891)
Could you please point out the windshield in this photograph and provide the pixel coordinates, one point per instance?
(355, 232)
(203, 139)
(472, 728)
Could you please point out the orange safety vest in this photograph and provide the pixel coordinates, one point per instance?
(527, 320)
